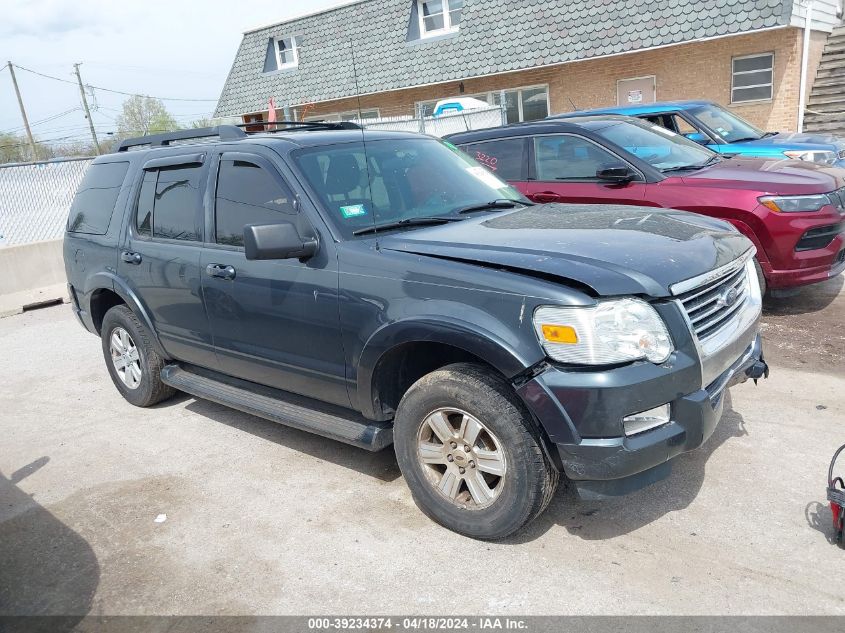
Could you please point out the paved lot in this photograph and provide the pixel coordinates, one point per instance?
(266, 519)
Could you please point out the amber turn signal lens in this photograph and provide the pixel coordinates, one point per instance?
(560, 334)
(771, 204)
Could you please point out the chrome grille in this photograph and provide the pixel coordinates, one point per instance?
(709, 306)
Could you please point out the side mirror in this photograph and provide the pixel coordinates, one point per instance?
(698, 137)
(276, 241)
(615, 173)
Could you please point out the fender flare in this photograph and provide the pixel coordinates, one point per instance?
(748, 232)
(110, 281)
(484, 344)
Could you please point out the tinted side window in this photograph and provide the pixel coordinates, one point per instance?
(168, 203)
(176, 201)
(146, 198)
(504, 157)
(247, 194)
(94, 202)
(568, 157)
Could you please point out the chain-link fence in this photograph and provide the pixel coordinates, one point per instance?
(35, 199)
(442, 125)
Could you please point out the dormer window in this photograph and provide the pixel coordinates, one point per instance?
(286, 51)
(439, 16)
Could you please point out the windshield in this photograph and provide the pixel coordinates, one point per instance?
(410, 178)
(728, 125)
(662, 148)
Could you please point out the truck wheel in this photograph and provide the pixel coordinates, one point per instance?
(471, 454)
(133, 363)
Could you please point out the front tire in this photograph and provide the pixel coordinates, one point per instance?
(471, 454)
(133, 364)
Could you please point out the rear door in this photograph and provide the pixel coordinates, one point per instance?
(160, 254)
(564, 169)
(274, 322)
(505, 157)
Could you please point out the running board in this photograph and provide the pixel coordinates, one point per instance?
(279, 406)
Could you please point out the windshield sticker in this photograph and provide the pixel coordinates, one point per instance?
(353, 211)
(486, 177)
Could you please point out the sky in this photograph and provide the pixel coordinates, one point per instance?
(178, 49)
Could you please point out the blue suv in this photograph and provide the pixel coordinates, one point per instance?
(723, 131)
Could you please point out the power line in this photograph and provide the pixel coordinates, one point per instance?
(52, 117)
(127, 94)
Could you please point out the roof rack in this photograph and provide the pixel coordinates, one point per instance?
(223, 132)
(232, 132)
(302, 125)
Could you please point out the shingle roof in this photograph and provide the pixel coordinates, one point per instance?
(495, 36)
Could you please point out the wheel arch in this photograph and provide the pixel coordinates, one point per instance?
(107, 295)
(400, 353)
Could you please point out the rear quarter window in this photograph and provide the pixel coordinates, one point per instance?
(504, 157)
(93, 204)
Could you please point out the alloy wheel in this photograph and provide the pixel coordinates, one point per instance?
(461, 458)
(125, 358)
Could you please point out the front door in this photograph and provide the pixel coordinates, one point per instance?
(274, 322)
(565, 167)
(636, 91)
(160, 255)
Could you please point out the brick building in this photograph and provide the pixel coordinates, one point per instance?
(378, 58)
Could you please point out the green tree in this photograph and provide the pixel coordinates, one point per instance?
(142, 116)
(15, 148)
(203, 122)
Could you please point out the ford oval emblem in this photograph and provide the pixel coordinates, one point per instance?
(727, 297)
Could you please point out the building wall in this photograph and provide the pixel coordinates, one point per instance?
(699, 70)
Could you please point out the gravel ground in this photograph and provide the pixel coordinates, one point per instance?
(262, 519)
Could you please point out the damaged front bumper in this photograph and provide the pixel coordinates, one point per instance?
(616, 464)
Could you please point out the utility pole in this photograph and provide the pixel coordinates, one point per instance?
(87, 112)
(23, 111)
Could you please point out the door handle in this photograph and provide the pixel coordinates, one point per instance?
(221, 271)
(131, 258)
(547, 196)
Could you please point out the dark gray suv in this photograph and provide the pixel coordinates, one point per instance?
(378, 288)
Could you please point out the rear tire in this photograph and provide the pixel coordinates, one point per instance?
(133, 364)
(471, 453)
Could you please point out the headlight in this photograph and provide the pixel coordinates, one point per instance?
(795, 204)
(614, 331)
(823, 157)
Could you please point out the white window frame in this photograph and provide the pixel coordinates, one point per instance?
(447, 20)
(490, 99)
(771, 84)
(294, 48)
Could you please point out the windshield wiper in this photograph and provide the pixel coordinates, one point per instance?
(502, 203)
(746, 138)
(713, 159)
(424, 221)
(768, 134)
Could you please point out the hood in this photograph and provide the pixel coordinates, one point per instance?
(780, 176)
(613, 249)
(796, 141)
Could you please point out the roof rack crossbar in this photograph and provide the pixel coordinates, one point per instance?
(223, 132)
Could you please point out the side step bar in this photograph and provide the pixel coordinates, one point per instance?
(279, 406)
